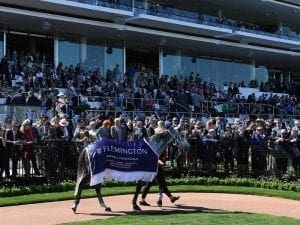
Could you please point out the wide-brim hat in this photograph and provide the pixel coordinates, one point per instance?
(26, 122)
(159, 130)
(63, 123)
(61, 94)
(259, 120)
(236, 121)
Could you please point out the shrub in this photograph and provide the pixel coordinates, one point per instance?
(204, 181)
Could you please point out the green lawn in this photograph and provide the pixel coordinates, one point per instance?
(204, 217)
(47, 197)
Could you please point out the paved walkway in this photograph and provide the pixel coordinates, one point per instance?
(89, 209)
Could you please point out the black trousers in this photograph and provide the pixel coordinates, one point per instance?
(161, 180)
(14, 155)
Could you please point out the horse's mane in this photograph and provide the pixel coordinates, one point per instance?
(160, 135)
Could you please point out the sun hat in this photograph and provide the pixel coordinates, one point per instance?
(63, 123)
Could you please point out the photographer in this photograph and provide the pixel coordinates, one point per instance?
(282, 146)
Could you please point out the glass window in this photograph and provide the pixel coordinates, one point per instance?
(218, 74)
(114, 57)
(221, 72)
(261, 74)
(169, 62)
(246, 73)
(92, 54)
(89, 52)
(69, 49)
(187, 64)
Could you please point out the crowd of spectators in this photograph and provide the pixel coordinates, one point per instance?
(272, 145)
(141, 89)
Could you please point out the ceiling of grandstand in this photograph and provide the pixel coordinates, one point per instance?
(267, 12)
(139, 38)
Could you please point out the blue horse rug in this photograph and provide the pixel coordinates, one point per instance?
(121, 161)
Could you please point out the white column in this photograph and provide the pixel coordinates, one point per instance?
(280, 27)
(133, 5)
(160, 62)
(4, 43)
(252, 71)
(220, 13)
(145, 4)
(124, 58)
(55, 49)
(104, 66)
(178, 62)
(83, 49)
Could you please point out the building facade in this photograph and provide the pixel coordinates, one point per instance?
(222, 41)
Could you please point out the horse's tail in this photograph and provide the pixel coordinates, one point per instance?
(82, 170)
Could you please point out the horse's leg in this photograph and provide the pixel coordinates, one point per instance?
(100, 198)
(136, 195)
(78, 190)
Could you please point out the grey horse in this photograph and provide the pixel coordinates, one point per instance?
(158, 142)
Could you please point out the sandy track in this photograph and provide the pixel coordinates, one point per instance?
(89, 209)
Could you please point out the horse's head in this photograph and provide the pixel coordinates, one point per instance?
(180, 141)
(161, 140)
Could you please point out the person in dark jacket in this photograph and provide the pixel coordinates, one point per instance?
(241, 151)
(13, 138)
(227, 143)
(259, 152)
(160, 177)
(282, 152)
(18, 98)
(32, 100)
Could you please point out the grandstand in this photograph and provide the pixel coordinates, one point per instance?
(253, 44)
(198, 59)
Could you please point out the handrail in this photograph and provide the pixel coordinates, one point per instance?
(183, 15)
(161, 12)
(205, 105)
(109, 4)
(141, 113)
(256, 104)
(158, 106)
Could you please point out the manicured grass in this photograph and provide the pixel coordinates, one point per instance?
(48, 197)
(205, 217)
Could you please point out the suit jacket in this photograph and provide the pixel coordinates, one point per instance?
(9, 136)
(103, 133)
(119, 135)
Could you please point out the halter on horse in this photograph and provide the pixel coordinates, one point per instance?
(158, 143)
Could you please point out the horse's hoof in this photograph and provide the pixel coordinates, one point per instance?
(74, 209)
(107, 209)
(136, 207)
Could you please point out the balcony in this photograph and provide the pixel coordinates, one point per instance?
(178, 20)
(97, 9)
